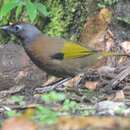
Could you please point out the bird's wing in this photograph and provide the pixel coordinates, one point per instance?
(73, 50)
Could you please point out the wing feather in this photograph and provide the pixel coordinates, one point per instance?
(73, 50)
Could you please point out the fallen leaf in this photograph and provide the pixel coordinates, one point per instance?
(95, 30)
(91, 85)
(50, 80)
(109, 44)
(73, 82)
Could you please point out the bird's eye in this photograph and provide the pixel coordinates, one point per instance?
(17, 28)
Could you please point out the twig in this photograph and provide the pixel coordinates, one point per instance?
(121, 76)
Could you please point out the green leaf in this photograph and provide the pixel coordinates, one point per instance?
(31, 11)
(124, 19)
(42, 9)
(18, 11)
(6, 8)
(17, 98)
(53, 97)
(11, 113)
(46, 115)
(68, 105)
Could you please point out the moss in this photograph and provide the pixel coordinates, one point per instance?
(67, 17)
(106, 3)
(56, 26)
(75, 16)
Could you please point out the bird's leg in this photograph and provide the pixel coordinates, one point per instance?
(51, 86)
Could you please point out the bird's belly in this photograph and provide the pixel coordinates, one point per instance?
(53, 67)
(56, 69)
(62, 68)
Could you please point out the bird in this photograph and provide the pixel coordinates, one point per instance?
(56, 56)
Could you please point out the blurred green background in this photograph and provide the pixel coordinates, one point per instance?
(64, 18)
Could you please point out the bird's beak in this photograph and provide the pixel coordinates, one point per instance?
(5, 28)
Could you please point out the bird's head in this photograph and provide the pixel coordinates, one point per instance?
(25, 32)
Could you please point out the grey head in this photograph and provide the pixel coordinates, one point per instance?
(25, 32)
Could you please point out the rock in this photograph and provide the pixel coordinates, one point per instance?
(16, 69)
(121, 29)
(109, 108)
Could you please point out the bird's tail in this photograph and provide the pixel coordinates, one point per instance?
(109, 53)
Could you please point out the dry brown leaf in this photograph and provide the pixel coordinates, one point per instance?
(50, 80)
(73, 82)
(91, 85)
(105, 15)
(109, 44)
(18, 123)
(95, 30)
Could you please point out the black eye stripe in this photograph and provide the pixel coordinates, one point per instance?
(16, 27)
